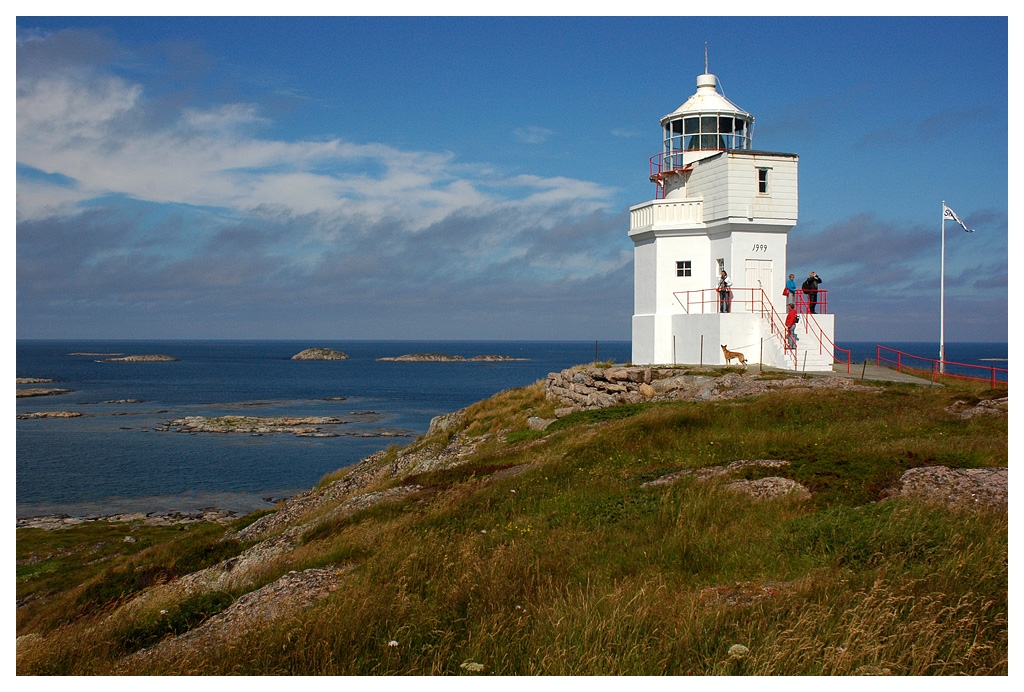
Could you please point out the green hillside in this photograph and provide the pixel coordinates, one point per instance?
(491, 547)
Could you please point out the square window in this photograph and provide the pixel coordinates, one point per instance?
(683, 268)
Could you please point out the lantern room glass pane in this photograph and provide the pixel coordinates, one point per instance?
(677, 127)
(692, 126)
(725, 124)
(708, 141)
(692, 142)
(708, 124)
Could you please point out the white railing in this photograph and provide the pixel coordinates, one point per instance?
(657, 212)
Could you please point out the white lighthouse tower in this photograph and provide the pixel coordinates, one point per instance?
(720, 205)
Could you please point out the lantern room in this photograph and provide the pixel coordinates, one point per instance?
(706, 124)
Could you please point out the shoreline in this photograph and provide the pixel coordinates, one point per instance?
(56, 521)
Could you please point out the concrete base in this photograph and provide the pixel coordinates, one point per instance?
(698, 340)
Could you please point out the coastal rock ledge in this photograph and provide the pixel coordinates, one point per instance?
(446, 358)
(319, 353)
(582, 388)
(144, 358)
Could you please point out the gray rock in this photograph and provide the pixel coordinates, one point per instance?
(446, 422)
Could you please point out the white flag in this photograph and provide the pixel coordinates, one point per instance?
(948, 213)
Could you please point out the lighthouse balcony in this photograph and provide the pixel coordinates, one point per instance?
(659, 214)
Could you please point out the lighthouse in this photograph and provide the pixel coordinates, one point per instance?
(720, 206)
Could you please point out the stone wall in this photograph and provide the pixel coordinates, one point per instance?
(589, 388)
(578, 389)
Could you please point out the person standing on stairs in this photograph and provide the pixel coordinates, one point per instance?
(791, 319)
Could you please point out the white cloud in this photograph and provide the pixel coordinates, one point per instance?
(198, 213)
(532, 134)
(96, 132)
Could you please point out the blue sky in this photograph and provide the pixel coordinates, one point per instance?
(469, 178)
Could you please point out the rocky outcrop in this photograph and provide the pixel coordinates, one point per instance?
(34, 380)
(759, 489)
(252, 425)
(145, 358)
(578, 389)
(41, 391)
(710, 472)
(445, 358)
(445, 422)
(962, 409)
(319, 353)
(293, 509)
(172, 518)
(48, 414)
(988, 487)
(769, 488)
(281, 598)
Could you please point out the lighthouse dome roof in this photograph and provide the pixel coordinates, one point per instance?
(707, 100)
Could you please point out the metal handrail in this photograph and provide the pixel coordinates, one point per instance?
(803, 305)
(937, 366)
(776, 322)
(821, 333)
(658, 163)
(758, 301)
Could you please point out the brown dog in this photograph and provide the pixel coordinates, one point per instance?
(729, 355)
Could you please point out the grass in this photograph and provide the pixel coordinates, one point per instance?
(573, 568)
(72, 583)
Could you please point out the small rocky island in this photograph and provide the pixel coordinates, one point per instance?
(34, 380)
(253, 425)
(41, 391)
(145, 358)
(320, 353)
(309, 426)
(48, 414)
(446, 358)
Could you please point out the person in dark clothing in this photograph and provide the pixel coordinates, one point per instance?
(810, 287)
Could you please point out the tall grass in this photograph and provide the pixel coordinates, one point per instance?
(574, 568)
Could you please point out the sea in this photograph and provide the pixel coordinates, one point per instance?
(116, 457)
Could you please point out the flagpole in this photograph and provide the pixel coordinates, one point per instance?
(942, 297)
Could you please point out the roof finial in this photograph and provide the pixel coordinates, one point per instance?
(705, 57)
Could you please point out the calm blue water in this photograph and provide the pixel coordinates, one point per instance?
(111, 459)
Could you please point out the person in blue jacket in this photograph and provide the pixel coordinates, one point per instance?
(791, 292)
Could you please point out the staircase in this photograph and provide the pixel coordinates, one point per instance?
(813, 352)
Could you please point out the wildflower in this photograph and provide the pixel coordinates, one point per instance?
(513, 490)
(163, 612)
(472, 666)
(738, 651)
(483, 531)
(392, 643)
